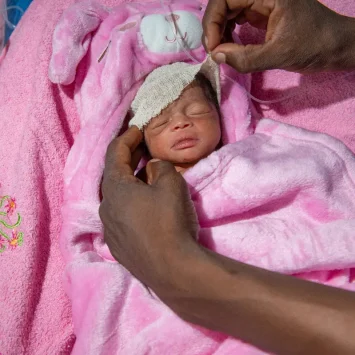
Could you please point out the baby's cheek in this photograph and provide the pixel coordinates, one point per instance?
(157, 147)
(210, 131)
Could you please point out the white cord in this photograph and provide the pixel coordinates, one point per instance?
(4, 11)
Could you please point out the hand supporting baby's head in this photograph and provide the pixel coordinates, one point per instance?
(187, 129)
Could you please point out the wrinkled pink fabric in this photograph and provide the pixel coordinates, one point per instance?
(280, 197)
(38, 126)
(319, 102)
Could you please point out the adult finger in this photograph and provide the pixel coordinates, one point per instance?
(217, 13)
(213, 23)
(120, 151)
(164, 176)
(249, 58)
(256, 19)
(158, 171)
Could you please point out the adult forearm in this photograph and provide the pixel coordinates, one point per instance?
(277, 313)
(157, 244)
(343, 46)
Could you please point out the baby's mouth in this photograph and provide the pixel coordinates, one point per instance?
(185, 143)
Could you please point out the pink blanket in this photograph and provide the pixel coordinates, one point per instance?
(278, 197)
(38, 125)
(319, 102)
(37, 122)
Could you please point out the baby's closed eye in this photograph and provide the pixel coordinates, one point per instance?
(198, 109)
(158, 121)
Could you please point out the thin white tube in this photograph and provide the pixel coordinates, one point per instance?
(4, 14)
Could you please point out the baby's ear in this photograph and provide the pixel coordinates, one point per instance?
(71, 39)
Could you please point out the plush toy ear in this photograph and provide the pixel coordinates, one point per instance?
(71, 39)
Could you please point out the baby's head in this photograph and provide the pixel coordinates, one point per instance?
(187, 126)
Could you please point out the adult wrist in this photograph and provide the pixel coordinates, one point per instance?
(175, 266)
(202, 281)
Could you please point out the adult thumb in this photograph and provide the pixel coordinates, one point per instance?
(160, 171)
(246, 59)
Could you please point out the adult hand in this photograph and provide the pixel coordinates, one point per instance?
(141, 220)
(151, 230)
(301, 35)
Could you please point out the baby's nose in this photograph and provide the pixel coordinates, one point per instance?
(181, 123)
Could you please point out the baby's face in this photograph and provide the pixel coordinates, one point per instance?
(186, 131)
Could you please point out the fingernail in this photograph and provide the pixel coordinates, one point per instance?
(206, 41)
(154, 160)
(219, 58)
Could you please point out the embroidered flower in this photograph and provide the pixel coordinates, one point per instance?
(11, 206)
(10, 221)
(16, 239)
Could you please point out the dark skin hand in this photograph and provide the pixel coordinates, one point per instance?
(164, 200)
(301, 35)
(151, 230)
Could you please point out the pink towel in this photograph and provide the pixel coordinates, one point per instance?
(37, 123)
(274, 198)
(35, 116)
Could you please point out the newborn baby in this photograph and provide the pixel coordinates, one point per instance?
(185, 126)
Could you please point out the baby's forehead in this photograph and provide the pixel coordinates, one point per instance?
(193, 90)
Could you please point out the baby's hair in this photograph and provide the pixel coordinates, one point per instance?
(207, 88)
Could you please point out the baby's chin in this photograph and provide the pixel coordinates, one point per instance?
(188, 156)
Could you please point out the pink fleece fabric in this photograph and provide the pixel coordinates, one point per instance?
(274, 197)
(282, 199)
(38, 124)
(319, 102)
